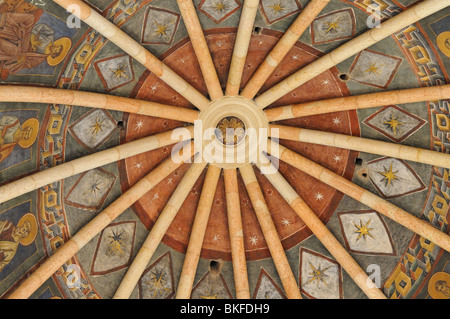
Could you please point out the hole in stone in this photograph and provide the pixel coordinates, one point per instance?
(364, 175)
(358, 161)
(121, 124)
(257, 30)
(344, 77)
(214, 266)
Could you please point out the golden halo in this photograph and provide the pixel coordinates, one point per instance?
(34, 124)
(66, 43)
(440, 276)
(33, 230)
(442, 40)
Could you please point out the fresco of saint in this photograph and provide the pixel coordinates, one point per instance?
(12, 236)
(12, 134)
(25, 44)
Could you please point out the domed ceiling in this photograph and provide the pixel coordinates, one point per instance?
(103, 196)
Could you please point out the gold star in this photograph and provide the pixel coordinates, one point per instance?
(393, 124)
(389, 175)
(120, 72)
(220, 6)
(115, 245)
(277, 7)
(363, 230)
(332, 26)
(97, 127)
(161, 29)
(373, 69)
(318, 274)
(158, 284)
(210, 296)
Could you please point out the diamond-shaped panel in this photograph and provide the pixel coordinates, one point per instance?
(219, 10)
(157, 281)
(395, 123)
(91, 189)
(334, 26)
(365, 232)
(160, 26)
(93, 129)
(114, 249)
(115, 71)
(275, 10)
(374, 69)
(393, 177)
(320, 276)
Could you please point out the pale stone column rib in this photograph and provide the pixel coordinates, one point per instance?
(136, 51)
(86, 163)
(324, 235)
(28, 94)
(236, 234)
(365, 145)
(198, 232)
(365, 197)
(284, 45)
(151, 243)
(241, 46)
(270, 233)
(201, 49)
(94, 227)
(347, 50)
(356, 102)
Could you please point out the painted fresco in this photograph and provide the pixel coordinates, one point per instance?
(42, 42)
(19, 130)
(18, 231)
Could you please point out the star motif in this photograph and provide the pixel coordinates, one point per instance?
(216, 237)
(337, 158)
(389, 175)
(318, 196)
(158, 283)
(138, 166)
(220, 6)
(295, 57)
(285, 222)
(115, 245)
(154, 87)
(373, 69)
(332, 26)
(139, 125)
(336, 121)
(155, 196)
(318, 274)
(97, 127)
(363, 230)
(393, 124)
(161, 29)
(95, 187)
(254, 240)
(277, 7)
(120, 72)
